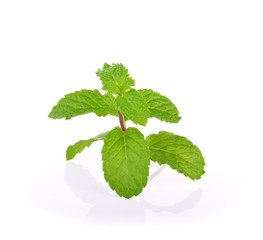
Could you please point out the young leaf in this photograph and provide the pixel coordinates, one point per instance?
(126, 161)
(80, 145)
(133, 106)
(82, 102)
(160, 106)
(115, 78)
(178, 152)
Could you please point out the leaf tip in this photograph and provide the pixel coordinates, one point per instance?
(106, 65)
(68, 156)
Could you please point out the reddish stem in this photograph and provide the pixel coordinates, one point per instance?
(123, 128)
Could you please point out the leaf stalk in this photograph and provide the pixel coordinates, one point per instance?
(122, 122)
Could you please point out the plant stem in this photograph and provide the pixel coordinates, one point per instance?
(122, 123)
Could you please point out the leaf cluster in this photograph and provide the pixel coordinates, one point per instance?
(126, 154)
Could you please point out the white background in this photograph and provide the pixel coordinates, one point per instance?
(206, 56)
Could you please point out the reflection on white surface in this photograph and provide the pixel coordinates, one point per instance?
(107, 207)
(78, 191)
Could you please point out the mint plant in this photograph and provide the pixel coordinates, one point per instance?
(126, 154)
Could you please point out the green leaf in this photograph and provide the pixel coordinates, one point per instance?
(178, 152)
(115, 78)
(126, 161)
(82, 102)
(160, 106)
(80, 145)
(133, 106)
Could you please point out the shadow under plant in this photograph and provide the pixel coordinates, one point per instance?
(108, 208)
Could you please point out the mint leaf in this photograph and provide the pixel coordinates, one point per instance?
(126, 161)
(133, 106)
(178, 152)
(82, 102)
(80, 145)
(115, 78)
(160, 106)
